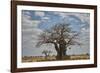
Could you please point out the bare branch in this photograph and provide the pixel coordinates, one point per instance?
(72, 40)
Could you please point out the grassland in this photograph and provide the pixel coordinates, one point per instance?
(53, 58)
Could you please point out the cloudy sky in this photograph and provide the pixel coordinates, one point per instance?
(34, 22)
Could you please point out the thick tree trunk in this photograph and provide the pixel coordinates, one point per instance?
(58, 57)
(64, 52)
(59, 54)
(61, 51)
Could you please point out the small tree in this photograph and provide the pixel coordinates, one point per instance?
(46, 53)
(61, 36)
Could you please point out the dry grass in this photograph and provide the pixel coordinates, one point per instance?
(53, 58)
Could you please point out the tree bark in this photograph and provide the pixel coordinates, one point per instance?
(61, 51)
(58, 57)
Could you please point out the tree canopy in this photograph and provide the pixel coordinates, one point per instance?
(62, 36)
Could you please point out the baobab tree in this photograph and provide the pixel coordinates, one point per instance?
(61, 36)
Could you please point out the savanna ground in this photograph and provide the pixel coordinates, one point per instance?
(53, 58)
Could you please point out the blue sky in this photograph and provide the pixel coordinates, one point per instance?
(34, 22)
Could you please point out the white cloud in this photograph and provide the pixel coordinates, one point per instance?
(82, 16)
(46, 18)
(40, 13)
(30, 23)
(85, 30)
(36, 32)
(35, 23)
(30, 33)
(27, 22)
(62, 14)
(27, 13)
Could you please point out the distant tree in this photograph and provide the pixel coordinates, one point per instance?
(87, 54)
(46, 53)
(61, 36)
